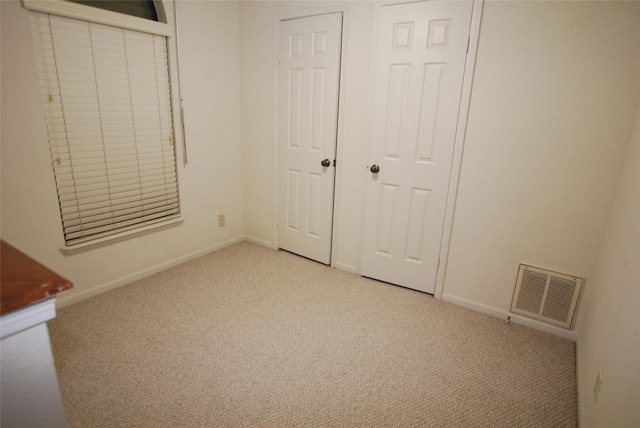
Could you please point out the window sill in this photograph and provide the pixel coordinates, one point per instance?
(122, 236)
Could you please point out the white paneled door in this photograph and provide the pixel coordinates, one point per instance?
(309, 80)
(421, 50)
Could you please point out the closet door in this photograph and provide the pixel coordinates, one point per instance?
(421, 50)
(309, 72)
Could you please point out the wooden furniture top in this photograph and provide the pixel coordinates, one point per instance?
(25, 281)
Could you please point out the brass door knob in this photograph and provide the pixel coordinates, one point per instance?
(374, 169)
(326, 163)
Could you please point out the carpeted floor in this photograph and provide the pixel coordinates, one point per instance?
(252, 337)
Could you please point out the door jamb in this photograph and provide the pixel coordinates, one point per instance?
(458, 148)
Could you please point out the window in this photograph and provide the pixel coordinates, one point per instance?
(140, 8)
(108, 113)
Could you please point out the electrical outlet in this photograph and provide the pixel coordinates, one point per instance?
(221, 220)
(596, 387)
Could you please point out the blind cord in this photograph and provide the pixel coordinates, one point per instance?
(185, 159)
(50, 95)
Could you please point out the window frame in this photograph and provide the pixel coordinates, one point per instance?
(119, 20)
(102, 16)
(141, 8)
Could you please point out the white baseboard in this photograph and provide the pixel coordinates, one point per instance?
(346, 267)
(71, 298)
(516, 319)
(579, 395)
(338, 265)
(260, 242)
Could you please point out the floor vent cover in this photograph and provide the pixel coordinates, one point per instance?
(546, 296)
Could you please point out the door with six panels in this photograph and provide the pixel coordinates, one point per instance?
(421, 50)
(309, 81)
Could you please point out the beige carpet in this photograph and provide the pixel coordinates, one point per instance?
(252, 337)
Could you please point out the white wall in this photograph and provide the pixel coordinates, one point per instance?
(610, 322)
(552, 108)
(211, 184)
(257, 53)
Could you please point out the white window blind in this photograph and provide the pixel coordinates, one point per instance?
(108, 114)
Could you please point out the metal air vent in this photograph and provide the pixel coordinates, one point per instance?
(546, 296)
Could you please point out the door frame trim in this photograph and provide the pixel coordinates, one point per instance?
(458, 148)
(304, 12)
